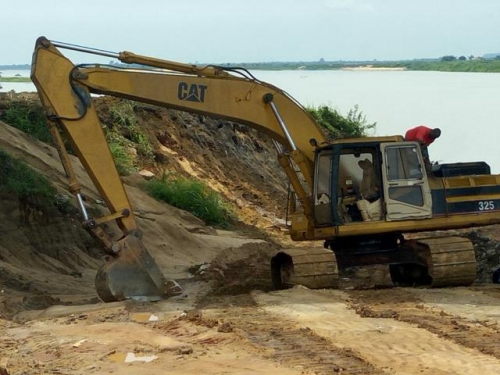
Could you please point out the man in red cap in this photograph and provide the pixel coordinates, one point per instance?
(425, 136)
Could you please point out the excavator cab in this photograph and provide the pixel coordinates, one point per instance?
(367, 181)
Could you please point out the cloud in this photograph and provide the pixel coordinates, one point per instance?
(349, 5)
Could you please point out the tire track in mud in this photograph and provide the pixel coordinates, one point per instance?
(391, 345)
(405, 305)
(283, 341)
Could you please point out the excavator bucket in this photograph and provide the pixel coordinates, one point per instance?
(133, 274)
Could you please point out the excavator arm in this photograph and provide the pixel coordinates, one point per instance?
(65, 91)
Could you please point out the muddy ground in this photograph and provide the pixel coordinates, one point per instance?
(228, 320)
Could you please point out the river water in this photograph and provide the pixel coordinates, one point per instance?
(466, 106)
(16, 86)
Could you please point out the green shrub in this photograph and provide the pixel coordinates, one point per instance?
(123, 133)
(30, 120)
(17, 178)
(193, 196)
(338, 126)
(123, 115)
(124, 161)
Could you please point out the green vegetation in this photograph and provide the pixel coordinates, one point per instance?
(457, 65)
(29, 119)
(18, 178)
(118, 145)
(448, 65)
(445, 63)
(124, 116)
(14, 79)
(193, 196)
(338, 126)
(292, 65)
(125, 134)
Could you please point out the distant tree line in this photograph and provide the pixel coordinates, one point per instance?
(463, 58)
(487, 63)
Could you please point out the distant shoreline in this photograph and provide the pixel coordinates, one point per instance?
(15, 79)
(373, 68)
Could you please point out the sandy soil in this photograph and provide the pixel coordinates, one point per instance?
(227, 321)
(297, 331)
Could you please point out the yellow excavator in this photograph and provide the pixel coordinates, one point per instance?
(358, 195)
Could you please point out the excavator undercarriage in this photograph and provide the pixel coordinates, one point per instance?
(378, 263)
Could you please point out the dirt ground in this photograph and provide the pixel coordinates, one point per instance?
(297, 331)
(227, 320)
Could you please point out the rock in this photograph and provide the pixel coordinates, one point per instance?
(147, 174)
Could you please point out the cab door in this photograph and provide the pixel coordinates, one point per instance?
(322, 191)
(406, 188)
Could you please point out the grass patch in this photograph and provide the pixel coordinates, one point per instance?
(193, 196)
(129, 146)
(17, 178)
(123, 116)
(118, 145)
(29, 119)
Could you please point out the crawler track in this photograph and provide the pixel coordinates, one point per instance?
(315, 268)
(430, 261)
(453, 261)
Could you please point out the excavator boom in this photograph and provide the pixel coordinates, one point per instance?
(65, 91)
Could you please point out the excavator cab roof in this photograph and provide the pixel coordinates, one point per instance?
(391, 138)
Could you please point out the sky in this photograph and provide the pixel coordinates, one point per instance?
(236, 31)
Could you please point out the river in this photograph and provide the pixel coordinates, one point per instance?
(466, 106)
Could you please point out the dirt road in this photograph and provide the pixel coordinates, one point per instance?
(296, 331)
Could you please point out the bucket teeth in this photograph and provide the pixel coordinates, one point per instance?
(133, 274)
